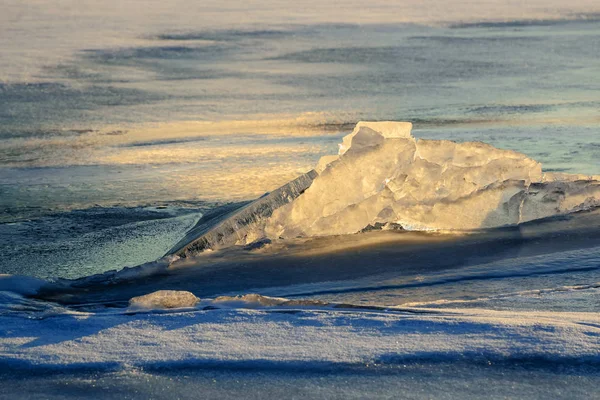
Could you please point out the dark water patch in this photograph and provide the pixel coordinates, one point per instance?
(355, 55)
(510, 109)
(405, 77)
(164, 63)
(33, 104)
(128, 55)
(173, 72)
(75, 72)
(578, 19)
(43, 133)
(225, 35)
(441, 122)
(162, 142)
(272, 33)
(465, 40)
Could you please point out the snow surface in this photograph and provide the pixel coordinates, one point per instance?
(273, 336)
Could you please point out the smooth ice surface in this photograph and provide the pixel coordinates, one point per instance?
(383, 175)
(86, 242)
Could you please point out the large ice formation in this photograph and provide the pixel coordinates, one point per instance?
(383, 176)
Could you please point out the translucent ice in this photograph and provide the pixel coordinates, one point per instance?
(384, 175)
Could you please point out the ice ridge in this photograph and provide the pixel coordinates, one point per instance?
(384, 177)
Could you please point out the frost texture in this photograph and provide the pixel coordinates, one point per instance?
(384, 175)
(165, 299)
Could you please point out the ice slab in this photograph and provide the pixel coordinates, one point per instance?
(239, 224)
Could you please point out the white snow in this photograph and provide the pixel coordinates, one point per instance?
(305, 336)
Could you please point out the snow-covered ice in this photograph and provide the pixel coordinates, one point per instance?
(304, 336)
(164, 299)
(25, 285)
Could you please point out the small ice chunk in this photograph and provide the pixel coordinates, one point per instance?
(165, 299)
(385, 129)
(252, 300)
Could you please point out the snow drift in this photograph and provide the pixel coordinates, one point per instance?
(384, 177)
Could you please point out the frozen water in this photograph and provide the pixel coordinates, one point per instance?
(383, 175)
(165, 299)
